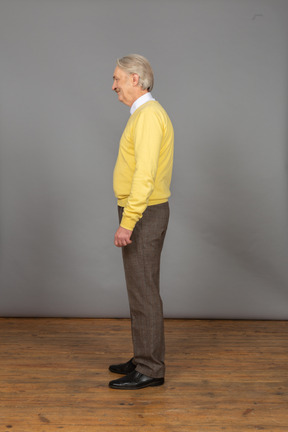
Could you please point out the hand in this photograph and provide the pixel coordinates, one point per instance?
(122, 237)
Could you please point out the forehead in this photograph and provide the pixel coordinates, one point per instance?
(119, 73)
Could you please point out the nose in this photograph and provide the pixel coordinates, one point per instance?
(114, 85)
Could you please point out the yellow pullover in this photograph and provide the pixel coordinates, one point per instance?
(143, 170)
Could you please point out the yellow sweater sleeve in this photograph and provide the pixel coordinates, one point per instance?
(147, 136)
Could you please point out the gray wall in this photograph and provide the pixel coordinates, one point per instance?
(221, 73)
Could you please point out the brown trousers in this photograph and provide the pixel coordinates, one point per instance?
(142, 272)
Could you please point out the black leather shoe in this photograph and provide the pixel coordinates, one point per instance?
(135, 381)
(123, 368)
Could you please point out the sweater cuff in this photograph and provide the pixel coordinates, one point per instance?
(127, 223)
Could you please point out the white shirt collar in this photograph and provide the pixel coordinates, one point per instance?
(140, 101)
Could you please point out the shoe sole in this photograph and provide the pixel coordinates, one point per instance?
(155, 384)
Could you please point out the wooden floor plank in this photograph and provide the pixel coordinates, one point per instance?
(221, 376)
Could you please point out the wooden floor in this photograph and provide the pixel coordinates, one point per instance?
(221, 376)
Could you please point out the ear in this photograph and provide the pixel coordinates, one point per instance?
(135, 79)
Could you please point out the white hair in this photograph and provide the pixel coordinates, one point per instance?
(135, 63)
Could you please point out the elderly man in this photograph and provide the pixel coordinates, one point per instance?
(142, 177)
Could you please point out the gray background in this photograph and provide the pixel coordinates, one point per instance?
(221, 73)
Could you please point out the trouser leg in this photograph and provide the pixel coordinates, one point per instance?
(142, 270)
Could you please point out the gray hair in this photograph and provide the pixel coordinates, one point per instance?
(135, 63)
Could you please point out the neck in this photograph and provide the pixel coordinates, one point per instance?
(138, 95)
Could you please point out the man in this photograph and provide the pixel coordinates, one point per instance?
(142, 177)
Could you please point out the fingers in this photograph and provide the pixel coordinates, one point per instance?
(120, 242)
(122, 237)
